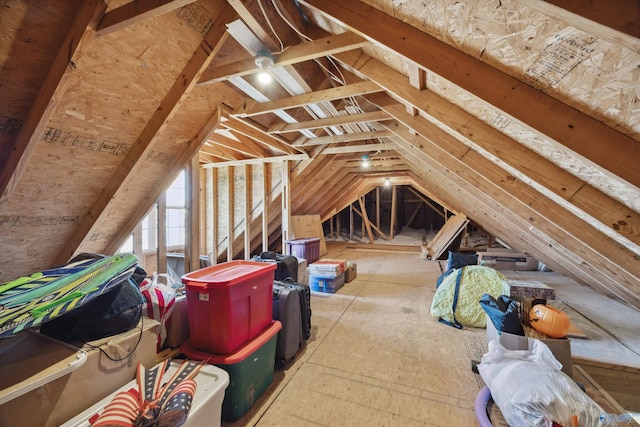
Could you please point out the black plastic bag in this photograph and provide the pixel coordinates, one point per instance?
(503, 313)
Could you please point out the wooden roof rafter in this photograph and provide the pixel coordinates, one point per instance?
(292, 55)
(527, 209)
(346, 137)
(253, 108)
(222, 151)
(136, 11)
(489, 140)
(240, 143)
(567, 125)
(49, 94)
(185, 81)
(282, 127)
(255, 132)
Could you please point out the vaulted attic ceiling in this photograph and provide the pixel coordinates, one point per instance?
(522, 115)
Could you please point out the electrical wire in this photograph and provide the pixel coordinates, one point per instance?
(340, 79)
(266, 17)
(284, 18)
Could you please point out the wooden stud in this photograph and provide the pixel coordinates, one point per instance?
(230, 212)
(392, 225)
(162, 233)
(247, 211)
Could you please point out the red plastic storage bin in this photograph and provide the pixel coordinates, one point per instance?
(308, 249)
(228, 304)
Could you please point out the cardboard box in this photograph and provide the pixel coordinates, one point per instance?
(528, 293)
(111, 363)
(504, 260)
(328, 267)
(561, 348)
(178, 324)
(351, 272)
(517, 289)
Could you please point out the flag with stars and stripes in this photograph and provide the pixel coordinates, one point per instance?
(176, 410)
(153, 404)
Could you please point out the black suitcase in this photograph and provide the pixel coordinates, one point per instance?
(286, 308)
(305, 305)
(286, 265)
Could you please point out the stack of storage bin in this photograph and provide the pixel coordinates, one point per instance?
(327, 275)
(230, 311)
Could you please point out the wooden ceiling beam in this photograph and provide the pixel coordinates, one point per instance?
(255, 132)
(251, 13)
(360, 148)
(135, 12)
(209, 158)
(374, 116)
(358, 187)
(253, 108)
(233, 150)
(242, 143)
(346, 137)
(576, 130)
(292, 55)
(222, 152)
(257, 161)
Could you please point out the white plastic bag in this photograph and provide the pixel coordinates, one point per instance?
(531, 390)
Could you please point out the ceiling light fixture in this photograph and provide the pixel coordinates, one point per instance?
(387, 182)
(365, 161)
(264, 60)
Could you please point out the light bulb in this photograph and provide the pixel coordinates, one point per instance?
(387, 182)
(365, 161)
(264, 77)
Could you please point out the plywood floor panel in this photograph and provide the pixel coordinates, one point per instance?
(377, 357)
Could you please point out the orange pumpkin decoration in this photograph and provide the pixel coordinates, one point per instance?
(549, 321)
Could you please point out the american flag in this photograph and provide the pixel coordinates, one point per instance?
(153, 404)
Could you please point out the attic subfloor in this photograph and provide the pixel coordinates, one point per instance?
(377, 357)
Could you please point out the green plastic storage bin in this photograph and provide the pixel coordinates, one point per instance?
(250, 370)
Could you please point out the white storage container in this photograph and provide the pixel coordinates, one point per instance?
(206, 408)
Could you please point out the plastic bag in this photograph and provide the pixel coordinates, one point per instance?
(531, 390)
(159, 300)
(503, 313)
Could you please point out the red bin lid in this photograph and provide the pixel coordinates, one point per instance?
(227, 273)
(237, 356)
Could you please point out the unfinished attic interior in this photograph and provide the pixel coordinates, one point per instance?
(516, 121)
